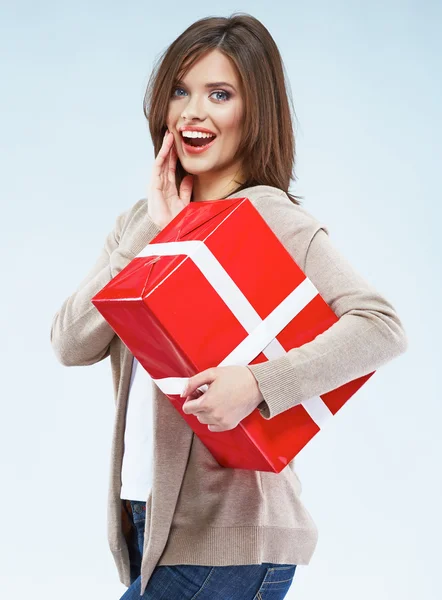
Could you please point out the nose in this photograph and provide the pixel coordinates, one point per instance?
(193, 109)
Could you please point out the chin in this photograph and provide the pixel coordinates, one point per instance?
(195, 170)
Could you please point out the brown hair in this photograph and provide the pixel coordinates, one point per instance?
(267, 148)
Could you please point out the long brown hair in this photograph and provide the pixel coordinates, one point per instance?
(267, 148)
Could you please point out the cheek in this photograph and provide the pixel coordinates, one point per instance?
(233, 123)
(234, 132)
(172, 116)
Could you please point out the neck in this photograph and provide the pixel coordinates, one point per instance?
(207, 187)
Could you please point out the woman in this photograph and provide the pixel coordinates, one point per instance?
(191, 528)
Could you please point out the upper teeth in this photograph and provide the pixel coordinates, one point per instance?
(196, 134)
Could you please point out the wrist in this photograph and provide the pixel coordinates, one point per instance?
(157, 222)
(258, 397)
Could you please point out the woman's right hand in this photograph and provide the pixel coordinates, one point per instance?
(164, 202)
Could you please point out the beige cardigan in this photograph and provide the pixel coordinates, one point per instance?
(199, 512)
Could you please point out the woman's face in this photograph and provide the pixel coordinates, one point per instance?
(198, 103)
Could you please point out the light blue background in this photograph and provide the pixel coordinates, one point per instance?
(76, 152)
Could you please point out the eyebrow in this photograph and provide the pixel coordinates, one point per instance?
(211, 85)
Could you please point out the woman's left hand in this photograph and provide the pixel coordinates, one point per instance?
(232, 395)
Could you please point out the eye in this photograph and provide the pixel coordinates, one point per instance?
(226, 94)
(222, 92)
(175, 89)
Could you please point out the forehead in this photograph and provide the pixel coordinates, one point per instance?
(213, 66)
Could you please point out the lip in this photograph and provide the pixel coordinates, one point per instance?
(196, 149)
(194, 128)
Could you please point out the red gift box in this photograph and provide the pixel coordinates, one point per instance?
(215, 288)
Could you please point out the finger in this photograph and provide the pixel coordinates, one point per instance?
(205, 377)
(186, 189)
(165, 145)
(196, 394)
(192, 407)
(215, 428)
(166, 175)
(160, 160)
(172, 164)
(202, 418)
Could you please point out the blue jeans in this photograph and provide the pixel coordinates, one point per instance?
(267, 581)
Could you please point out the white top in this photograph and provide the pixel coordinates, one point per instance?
(137, 467)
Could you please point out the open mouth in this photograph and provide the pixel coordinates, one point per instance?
(197, 142)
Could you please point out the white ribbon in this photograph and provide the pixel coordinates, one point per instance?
(262, 332)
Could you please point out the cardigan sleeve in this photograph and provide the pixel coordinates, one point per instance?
(368, 334)
(79, 333)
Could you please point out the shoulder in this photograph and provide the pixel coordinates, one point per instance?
(286, 219)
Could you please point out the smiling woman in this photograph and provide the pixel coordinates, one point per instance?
(224, 76)
(205, 107)
(180, 525)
